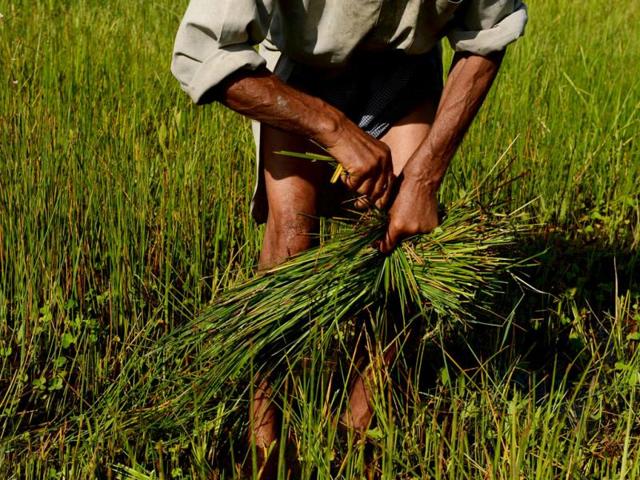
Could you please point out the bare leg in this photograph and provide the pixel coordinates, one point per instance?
(292, 187)
(263, 428)
(292, 192)
(403, 140)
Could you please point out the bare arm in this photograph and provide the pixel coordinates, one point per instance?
(469, 81)
(264, 97)
(467, 86)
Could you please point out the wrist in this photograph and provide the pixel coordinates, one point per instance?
(424, 185)
(327, 126)
(421, 178)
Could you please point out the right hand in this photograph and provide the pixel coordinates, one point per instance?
(366, 161)
(264, 97)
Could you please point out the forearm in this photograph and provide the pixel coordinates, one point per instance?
(469, 81)
(264, 97)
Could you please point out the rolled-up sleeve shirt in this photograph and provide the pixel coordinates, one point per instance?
(216, 38)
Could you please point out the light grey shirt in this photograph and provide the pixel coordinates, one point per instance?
(216, 37)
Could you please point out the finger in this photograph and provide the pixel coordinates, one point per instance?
(366, 188)
(352, 181)
(361, 203)
(394, 185)
(344, 178)
(384, 199)
(387, 243)
(379, 189)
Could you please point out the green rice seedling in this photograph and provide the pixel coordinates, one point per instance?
(117, 198)
(268, 325)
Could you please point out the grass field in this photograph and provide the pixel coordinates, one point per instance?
(124, 209)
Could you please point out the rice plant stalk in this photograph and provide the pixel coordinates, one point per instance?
(268, 324)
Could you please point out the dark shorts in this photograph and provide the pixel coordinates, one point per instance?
(375, 91)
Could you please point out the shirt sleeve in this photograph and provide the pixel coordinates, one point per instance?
(216, 39)
(486, 26)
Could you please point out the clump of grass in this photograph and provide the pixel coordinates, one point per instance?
(268, 324)
(116, 197)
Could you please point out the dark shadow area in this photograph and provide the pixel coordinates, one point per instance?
(531, 325)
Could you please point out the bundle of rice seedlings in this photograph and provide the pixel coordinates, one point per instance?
(266, 325)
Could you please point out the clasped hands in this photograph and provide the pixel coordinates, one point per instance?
(368, 171)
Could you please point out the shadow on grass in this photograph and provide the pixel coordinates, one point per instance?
(570, 296)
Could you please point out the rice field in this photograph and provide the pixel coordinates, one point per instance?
(124, 211)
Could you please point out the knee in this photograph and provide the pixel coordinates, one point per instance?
(293, 229)
(287, 233)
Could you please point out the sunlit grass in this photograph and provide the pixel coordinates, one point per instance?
(124, 212)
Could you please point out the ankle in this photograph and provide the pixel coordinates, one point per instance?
(357, 420)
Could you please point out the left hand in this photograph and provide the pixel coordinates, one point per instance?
(414, 211)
